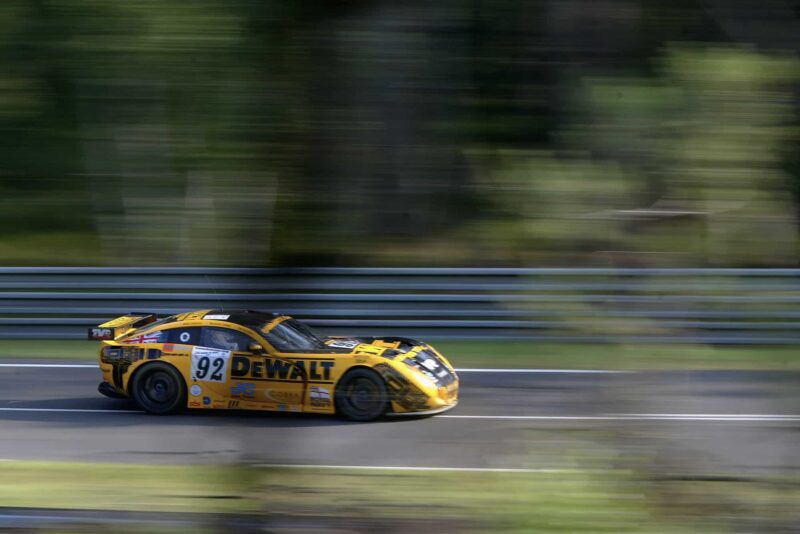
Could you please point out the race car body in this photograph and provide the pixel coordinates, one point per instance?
(211, 359)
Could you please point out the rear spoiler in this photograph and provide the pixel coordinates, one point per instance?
(121, 325)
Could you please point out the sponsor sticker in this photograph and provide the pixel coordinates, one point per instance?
(102, 333)
(320, 396)
(123, 354)
(209, 365)
(282, 396)
(194, 404)
(344, 343)
(172, 347)
(112, 354)
(206, 401)
(243, 368)
(196, 390)
(243, 389)
(216, 317)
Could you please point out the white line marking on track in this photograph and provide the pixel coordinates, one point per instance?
(546, 371)
(66, 410)
(636, 417)
(415, 468)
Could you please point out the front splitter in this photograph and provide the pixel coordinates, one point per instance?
(426, 412)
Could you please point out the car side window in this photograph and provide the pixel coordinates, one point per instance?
(184, 336)
(225, 338)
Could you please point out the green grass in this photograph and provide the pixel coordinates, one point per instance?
(205, 488)
(49, 349)
(564, 501)
(517, 354)
(572, 501)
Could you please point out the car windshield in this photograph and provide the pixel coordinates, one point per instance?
(293, 336)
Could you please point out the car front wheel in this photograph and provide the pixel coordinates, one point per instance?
(361, 395)
(159, 389)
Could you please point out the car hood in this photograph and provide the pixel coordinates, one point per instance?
(362, 346)
(417, 355)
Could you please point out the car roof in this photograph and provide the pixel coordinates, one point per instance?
(250, 318)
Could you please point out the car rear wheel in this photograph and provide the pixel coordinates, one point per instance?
(361, 395)
(159, 389)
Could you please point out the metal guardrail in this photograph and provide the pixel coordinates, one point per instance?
(588, 305)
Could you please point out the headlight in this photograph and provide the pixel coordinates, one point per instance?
(428, 381)
(425, 376)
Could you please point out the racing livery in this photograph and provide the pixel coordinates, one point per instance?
(213, 359)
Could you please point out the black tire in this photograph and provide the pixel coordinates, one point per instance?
(158, 388)
(361, 395)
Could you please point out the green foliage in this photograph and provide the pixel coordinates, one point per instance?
(252, 133)
(688, 164)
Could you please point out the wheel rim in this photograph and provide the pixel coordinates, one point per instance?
(159, 388)
(364, 396)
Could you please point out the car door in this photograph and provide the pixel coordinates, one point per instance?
(290, 340)
(209, 368)
(255, 380)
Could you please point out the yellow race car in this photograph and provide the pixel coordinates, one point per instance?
(214, 359)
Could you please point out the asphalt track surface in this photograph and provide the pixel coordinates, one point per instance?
(709, 421)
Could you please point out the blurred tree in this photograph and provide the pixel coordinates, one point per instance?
(269, 132)
(726, 158)
(688, 165)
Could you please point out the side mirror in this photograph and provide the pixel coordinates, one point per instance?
(255, 348)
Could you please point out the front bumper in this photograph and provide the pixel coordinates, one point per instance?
(423, 413)
(110, 391)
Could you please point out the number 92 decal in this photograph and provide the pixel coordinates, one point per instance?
(210, 365)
